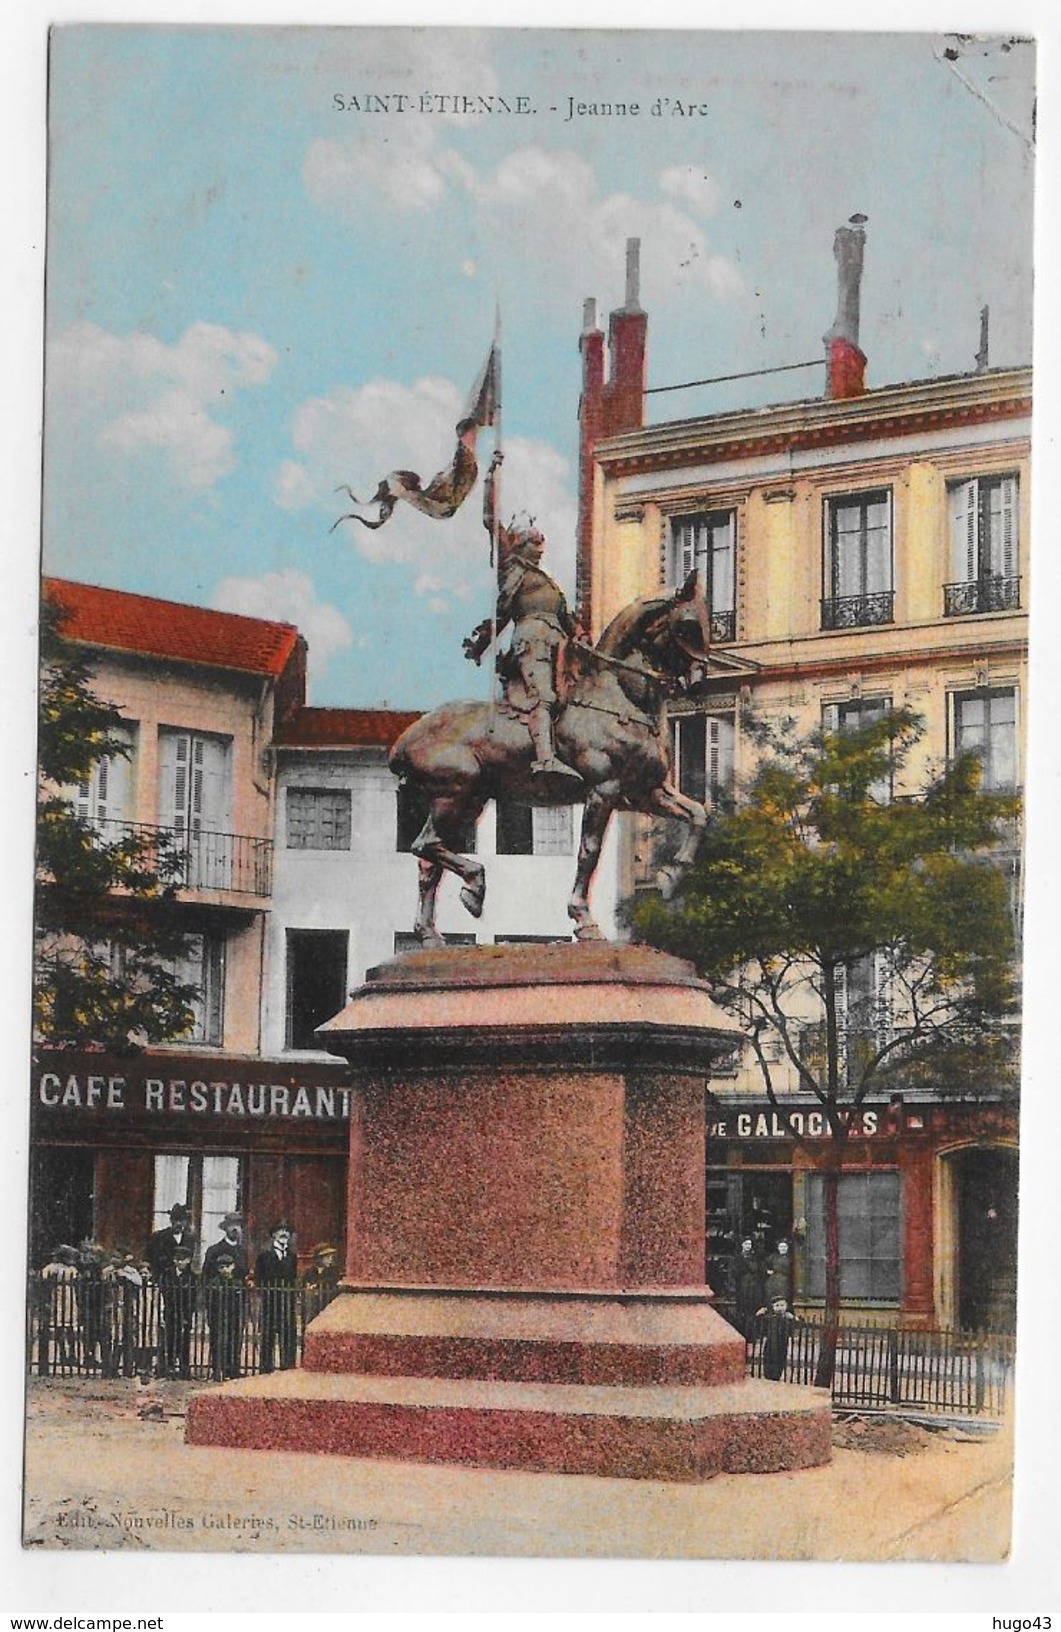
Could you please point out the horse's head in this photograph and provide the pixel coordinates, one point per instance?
(683, 638)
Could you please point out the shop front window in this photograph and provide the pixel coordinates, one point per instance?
(208, 1186)
(870, 1237)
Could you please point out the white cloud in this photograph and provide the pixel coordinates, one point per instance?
(402, 172)
(549, 202)
(289, 596)
(128, 394)
(359, 436)
(693, 186)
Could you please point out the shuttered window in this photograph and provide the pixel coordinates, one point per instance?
(105, 794)
(707, 544)
(984, 528)
(202, 964)
(702, 748)
(318, 819)
(526, 830)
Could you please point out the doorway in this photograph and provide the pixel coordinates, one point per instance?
(986, 1195)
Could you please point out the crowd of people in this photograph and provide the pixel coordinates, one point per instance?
(109, 1310)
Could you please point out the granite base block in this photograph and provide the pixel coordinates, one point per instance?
(652, 1432)
(667, 1336)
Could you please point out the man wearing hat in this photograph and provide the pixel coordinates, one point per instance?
(178, 1311)
(320, 1283)
(224, 1282)
(277, 1276)
(231, 1242)
(163, 1244)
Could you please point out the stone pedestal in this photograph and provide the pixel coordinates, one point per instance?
(524, 1276)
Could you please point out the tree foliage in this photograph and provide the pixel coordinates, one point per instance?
(818, 872)
(106, 934)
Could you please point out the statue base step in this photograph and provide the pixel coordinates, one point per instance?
(669, 1335)
(652, 1432)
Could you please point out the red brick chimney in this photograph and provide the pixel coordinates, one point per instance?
(845, 362)
(607, 406)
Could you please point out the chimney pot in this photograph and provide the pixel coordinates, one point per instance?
(589, 315)
(846, 363)
(633, 275)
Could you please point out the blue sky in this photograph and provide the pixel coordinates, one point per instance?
(253, 295)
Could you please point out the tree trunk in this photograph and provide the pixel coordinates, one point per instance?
(823, 1376)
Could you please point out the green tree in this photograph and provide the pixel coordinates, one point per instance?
(106, 934)
(817, 875)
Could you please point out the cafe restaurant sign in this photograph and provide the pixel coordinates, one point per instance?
(240, 1089)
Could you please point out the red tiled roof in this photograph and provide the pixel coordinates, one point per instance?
(189, 634)
(344, 728)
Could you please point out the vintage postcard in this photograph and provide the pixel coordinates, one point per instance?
(537, 554)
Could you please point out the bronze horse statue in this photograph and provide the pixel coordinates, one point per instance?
(609, 729)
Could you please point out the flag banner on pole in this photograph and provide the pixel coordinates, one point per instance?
(445, 492)
(484, 399)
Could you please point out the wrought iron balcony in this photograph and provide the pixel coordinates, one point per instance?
(239, 863)
(981, 595)
(723, 626)
(858, 611)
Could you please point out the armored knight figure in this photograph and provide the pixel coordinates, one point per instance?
(534, 604)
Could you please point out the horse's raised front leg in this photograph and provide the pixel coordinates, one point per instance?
(600, 804)
(667, 801)
(435, 845)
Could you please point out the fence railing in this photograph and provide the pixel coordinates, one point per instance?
(84, 1327)
(945, 1372)
(238, 862)
(92, 1328)
(995, 594)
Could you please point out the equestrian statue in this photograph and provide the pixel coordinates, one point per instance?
(577, 724)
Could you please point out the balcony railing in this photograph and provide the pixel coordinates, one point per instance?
(237, 862)
(723, 626)
(981, 595)
(858, 611)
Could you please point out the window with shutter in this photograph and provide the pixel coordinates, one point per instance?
(707, 544)
(202, 964)
(985, 546)
(702, 751)
(194, 799)
(318, 819)
(104, 797)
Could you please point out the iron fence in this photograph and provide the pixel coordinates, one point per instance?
(238, 862)
(89, 1327)
(83, 1327)
(944, 1372)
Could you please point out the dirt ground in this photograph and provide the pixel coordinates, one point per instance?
(107, 1468)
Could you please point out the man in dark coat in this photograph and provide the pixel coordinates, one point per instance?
(178, 1311)
(225, 1311)
(231, 1242)
(277, 1276)
(225, 1272)
(164, 1243)
(749, 1286)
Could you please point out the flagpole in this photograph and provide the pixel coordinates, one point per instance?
(495, 531)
